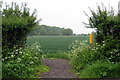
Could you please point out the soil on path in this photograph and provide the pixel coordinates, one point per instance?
(59, 68)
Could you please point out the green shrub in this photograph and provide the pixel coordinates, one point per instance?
(21, 63)
(14, 69)
(105, 22)
(101, 69)
(84, 57)
(110, 50)
(101, 60)
(17, 22)
(81, 55)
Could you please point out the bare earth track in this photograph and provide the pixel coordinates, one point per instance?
(59, 68)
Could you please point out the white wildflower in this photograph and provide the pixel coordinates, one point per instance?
(2, 59)
(12, 55)
(86, 41)
(36, 53)
(37, 46)
(103, 44)
(39, 50)
(31, 62)
(9, 53)
(20, 52)
(19, 59)
(16, 52)
(35, 57)
(5, 57)
(111, 52)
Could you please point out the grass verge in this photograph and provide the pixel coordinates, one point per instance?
(40, 69)
(101, 69)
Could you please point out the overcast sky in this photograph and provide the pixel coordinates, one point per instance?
(65, 13)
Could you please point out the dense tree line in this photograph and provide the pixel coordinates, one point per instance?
(50, 31)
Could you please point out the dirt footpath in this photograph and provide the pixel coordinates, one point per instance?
(59, 68)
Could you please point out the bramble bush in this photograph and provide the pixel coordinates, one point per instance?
(21, 63)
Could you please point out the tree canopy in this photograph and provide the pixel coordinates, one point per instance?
(43, 30)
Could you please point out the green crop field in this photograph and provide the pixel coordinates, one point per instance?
(50, 44)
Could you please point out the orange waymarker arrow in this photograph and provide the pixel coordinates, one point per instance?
(90, 38)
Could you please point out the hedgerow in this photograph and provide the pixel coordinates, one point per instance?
(21, 63)
(102, 59)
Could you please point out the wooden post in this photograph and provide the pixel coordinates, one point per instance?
(90, 37)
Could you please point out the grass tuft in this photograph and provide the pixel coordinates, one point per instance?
(40, 69)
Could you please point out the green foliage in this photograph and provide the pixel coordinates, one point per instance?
(81, 55)
(17, 22)
(84, 57)
(40, 69)
(44, 30)
(101, 69)
(67, 32)
(21, 63)
(101, 60)
(110, 50)
(106, 24)
(54, 44)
